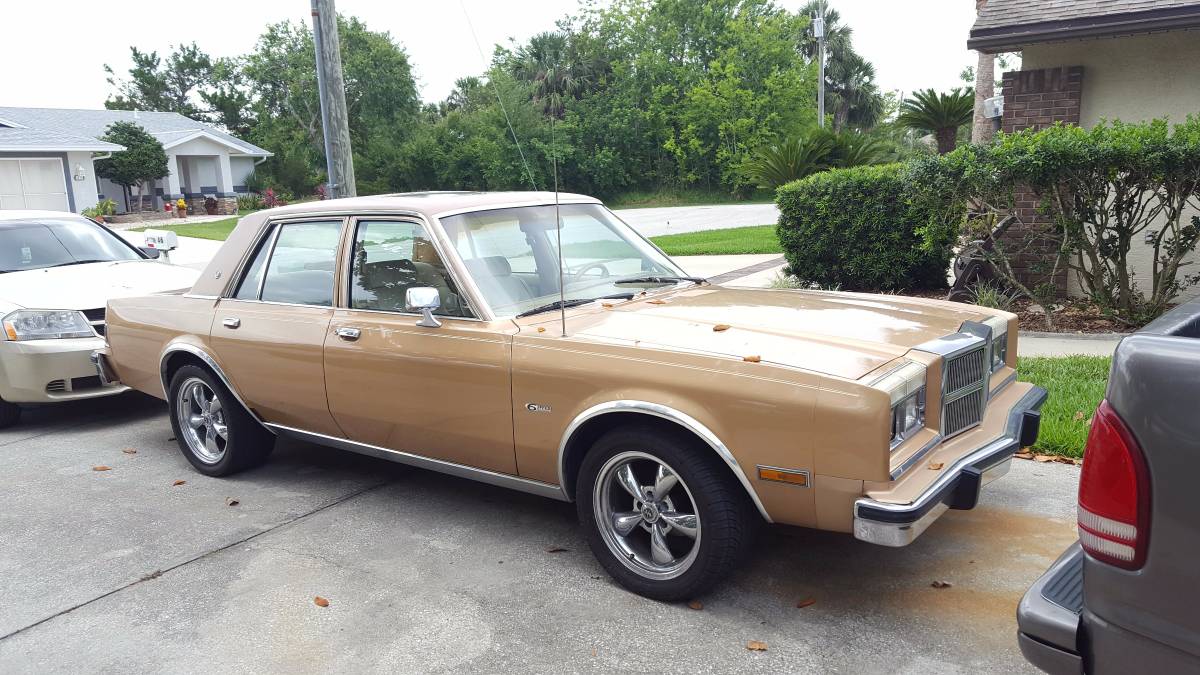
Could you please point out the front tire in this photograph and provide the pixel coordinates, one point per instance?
(661, 512)
(214, 431)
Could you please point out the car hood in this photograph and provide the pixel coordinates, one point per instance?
(91, 285)
(840, 334)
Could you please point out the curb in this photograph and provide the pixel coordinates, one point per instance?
(1073, 336)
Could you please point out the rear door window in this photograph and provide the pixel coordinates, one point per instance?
(296, 267)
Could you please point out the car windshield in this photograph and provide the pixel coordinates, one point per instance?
(512, 254)
(30, 245)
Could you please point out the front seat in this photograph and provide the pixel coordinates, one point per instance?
(495, 271)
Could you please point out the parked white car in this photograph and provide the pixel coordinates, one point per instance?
(57, 273)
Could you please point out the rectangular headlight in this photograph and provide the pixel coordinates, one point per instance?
(47, 324)
(999, 351)
(908, 416)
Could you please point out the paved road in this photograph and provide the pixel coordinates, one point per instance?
(677, 219)
(119, 571)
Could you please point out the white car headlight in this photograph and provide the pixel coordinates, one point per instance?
(905, 386)
(999, 327)
(47, 324)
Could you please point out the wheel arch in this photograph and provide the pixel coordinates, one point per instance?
(598, 419)
(179, 354)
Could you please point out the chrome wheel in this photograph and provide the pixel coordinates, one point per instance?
(646, 515)
(201, 420)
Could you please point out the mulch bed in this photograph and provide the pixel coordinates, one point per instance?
(1069, 317)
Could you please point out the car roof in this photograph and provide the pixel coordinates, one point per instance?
(30, 214)
(433, 204)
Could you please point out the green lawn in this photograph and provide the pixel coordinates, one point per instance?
(642, 199)
(753, 239)
(1076, 385)
(214, 229)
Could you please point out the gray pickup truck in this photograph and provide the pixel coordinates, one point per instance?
(1125, 598)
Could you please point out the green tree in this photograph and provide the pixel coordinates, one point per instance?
(939, 114)
(143, 160)
(550, 62)
(171, 85)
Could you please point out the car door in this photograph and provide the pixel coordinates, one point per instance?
(269, 333)
(439, 392)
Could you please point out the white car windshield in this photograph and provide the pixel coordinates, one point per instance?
(49, 242)
(512, 254)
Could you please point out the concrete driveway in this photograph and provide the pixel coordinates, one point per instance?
(653, 222)
(120, 571)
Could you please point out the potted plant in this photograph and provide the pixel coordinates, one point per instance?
(181, 208)
(210, 206)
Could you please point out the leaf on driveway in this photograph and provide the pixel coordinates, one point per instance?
(101, 468)
(231, 501)
(541, 329)
(696, 604)
(1043, 458)
(756, 646)
(129, 451)
(805, 603)
(178, 482)
(606, 305)
(1024, 455)
(721, 327)
(941, 584)
(1080, 415)
(752, 359)
(320, 602)
(656, 301)
(936, 466)
(557, 549)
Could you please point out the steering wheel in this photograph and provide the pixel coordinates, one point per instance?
(578, 274)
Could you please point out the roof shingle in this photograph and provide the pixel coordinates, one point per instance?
(92, 124)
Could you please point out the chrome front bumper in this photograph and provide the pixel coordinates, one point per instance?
(889, 524)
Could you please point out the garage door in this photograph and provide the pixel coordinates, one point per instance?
(33, 184)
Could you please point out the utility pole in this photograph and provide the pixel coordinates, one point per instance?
(819, 32)
(335, 125)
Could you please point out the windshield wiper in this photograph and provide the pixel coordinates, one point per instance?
(660, 280)
(574, 302)
(75, 262)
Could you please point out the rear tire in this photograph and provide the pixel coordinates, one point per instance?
(10, 414)
(662, 513)
(214, 431)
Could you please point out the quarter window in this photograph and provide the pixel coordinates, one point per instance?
(391, 257)
(298, 265)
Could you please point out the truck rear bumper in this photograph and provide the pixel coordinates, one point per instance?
(891, 524)
(1048, 616)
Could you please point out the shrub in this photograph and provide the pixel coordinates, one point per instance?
(249, 202)
(859, 229)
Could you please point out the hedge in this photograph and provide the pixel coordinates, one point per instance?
(860, 229)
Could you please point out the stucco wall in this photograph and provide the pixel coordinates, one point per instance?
(82, 189)
(1132, 79)
(242, 167)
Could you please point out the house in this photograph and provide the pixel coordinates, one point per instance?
(1083, 61)
(46, 160)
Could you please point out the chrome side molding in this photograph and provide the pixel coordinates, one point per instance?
(667, 413)
(420, 461)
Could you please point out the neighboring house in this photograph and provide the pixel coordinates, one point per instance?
(46, 159)
(1083, 61)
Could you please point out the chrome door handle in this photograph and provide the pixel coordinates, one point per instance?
(231, 322)
(350, 334)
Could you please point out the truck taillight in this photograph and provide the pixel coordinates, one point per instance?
(1114, 493)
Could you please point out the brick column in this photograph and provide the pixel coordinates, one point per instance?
(1035, 99)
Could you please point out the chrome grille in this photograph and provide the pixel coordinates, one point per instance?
(963, 412)
(964, 390)
(966, 370)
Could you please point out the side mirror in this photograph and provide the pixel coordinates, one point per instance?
(424, 299)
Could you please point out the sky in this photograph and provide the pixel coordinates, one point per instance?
(59, 48)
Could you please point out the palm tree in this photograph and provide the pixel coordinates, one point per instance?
(837, 35)
(553, 66)
(791, 160)
(939, 114)
(856, 100)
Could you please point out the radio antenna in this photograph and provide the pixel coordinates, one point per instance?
(499, 100)
(562, 293)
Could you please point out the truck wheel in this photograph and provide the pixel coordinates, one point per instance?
(214, 432)
(661, 514)
(10, 413)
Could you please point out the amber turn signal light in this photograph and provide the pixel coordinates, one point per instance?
(783, 475)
